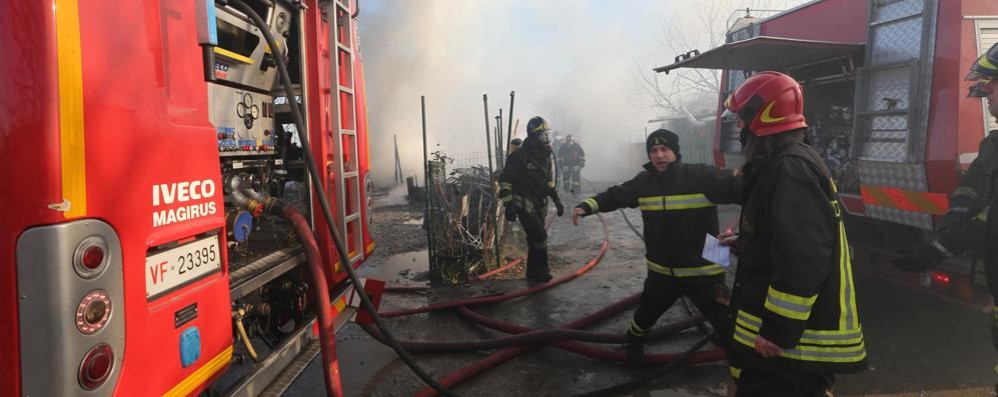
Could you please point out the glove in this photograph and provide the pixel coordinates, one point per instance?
(954, 217)
(510, 213)
(920, 259)
(560, 209)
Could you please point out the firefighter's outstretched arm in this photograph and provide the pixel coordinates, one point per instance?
(804, 234)
(721, 186)
(960, 228)
(617, 196)
(966, 202)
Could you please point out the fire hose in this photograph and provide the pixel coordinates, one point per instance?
(527, 339)
(326, 335)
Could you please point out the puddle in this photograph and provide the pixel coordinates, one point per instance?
(401, 269)
(364, 365)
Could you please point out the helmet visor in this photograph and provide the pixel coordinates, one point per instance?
(977, 90)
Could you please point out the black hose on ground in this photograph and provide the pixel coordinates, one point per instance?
(651, 375)
(532, 337)
(313, 171)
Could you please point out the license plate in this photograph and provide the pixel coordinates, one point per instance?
(179, 266)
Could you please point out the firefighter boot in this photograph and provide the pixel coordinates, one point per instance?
(537, 265)
(635, 349)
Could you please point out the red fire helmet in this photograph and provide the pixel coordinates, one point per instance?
(769, 103)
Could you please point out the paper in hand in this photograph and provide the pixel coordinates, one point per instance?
(714, 252)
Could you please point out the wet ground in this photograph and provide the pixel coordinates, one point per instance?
(918, 344)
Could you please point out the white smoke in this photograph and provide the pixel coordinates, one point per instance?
(569, 61)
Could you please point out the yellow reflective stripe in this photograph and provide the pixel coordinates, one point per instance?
(849, 317)
(838, 352)
(654, 203)
(735, 372)
(676, 202)
(593, 206)
(983, 216)
(229, 54)
(687, 201)
(789, 305)
(71, 126)
(708, 270)
(192, 381)
(636, 329)
(810, 336)
(984, 62)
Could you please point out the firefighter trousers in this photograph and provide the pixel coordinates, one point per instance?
(765, 380)
(537, 246)
(661, 292)
(571, 179)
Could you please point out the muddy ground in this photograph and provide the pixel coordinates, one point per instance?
(918, 344)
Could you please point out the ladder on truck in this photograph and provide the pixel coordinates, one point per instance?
(339, 54)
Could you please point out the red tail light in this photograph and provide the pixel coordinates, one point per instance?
(91, 257)
(941, 278)
(96, 366)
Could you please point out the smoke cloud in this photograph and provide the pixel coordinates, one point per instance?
(571, 62)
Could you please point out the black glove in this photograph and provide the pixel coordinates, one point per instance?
(510, 213)
(560, 209)
(954, 217)
(920, 259)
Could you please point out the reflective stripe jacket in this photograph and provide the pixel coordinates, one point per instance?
(679, 208)
(527, 180)
(794, 283)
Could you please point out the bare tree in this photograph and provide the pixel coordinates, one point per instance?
(683, 89)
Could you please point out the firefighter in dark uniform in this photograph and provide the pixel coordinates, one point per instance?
(571, 158)
(793, 301)
(679, 208)
(969, 223)
(525, 185)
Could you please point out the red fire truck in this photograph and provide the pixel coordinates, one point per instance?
(887, 108)
(138, 140)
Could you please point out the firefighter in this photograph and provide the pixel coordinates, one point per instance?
(793, 301)
(679, 208)
(525, 185)
(571, 158)
(969, 223)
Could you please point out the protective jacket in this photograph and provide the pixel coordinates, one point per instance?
(972, 204)
(794, 283)
(571, 155)
(678, 209)
(527, 180)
